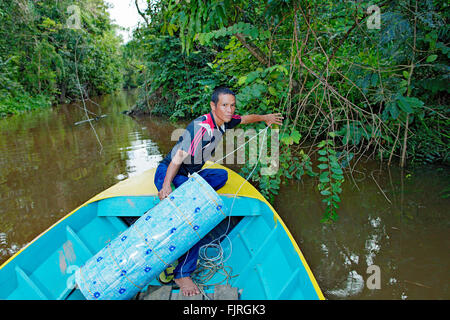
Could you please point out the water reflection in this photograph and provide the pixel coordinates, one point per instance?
(395, 219)
(407, 236)
(50, 163)
(141, 155)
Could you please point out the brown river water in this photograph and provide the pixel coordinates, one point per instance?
(397, 220)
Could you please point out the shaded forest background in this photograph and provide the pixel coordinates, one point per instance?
(354, 79)
(56, 52)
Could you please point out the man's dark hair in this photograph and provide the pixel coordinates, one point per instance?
(218, 91)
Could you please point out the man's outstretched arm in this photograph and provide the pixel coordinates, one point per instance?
(269, 119)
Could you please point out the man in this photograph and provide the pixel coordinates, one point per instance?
(193, 149)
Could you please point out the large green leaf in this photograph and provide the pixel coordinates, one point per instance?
(409, 104)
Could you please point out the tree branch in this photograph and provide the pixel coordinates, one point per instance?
(140, 12)
(357, 23)
(254, 50)
(405, 137)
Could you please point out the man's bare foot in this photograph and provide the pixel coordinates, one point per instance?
(187, 286)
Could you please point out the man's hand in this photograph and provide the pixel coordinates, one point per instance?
(164, 192)
(273, 118)
(172, 171)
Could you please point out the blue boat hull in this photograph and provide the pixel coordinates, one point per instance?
(263, 257)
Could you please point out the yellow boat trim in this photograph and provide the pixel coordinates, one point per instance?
(142, 185)
(248, 190)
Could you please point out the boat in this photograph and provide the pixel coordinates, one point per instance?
(266, 261)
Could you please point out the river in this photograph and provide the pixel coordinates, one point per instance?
(397, 220)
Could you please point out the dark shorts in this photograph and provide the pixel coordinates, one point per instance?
(215, 177)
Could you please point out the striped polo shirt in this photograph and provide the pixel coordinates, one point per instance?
(199, 140)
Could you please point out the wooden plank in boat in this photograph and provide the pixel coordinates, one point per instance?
(161, 293)
(179, 296)
(221, 292)
(225, 292)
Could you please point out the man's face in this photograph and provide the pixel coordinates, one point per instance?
(224, 109)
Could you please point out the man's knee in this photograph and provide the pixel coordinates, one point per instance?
(160, 175)
(223, 174)
(215, 177)
(222, 178)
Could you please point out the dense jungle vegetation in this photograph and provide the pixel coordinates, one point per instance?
(353, 79)
(56, 52)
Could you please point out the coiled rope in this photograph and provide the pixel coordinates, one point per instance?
(210, 265)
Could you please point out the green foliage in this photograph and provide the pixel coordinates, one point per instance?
(21, 102)
(176, 85)
(42, 59)
(383, 91)
(292, 166)
(331, 178)
(132, 66)
(290, 138)
(240, 27)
